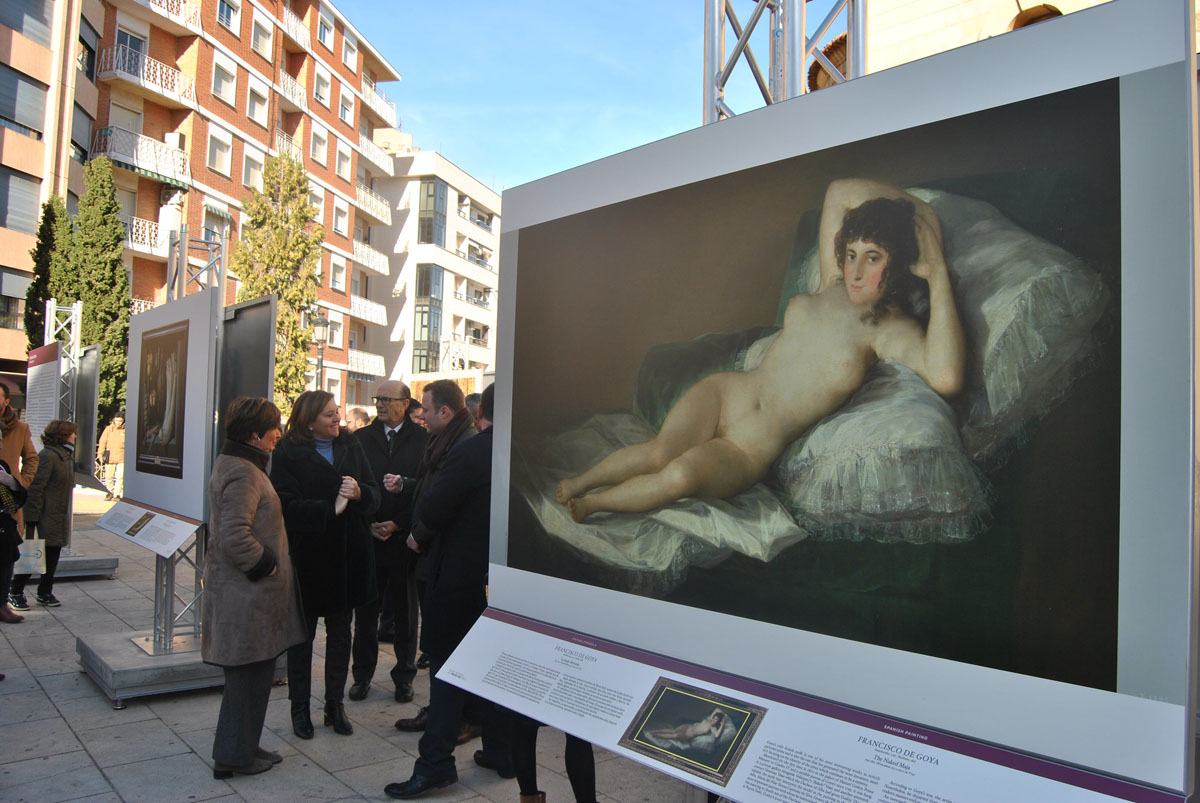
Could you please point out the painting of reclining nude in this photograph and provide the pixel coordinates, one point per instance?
(871, 392)
(162, 383)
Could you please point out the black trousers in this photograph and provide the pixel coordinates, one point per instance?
(337, 659)
(581, 764)
(243, 711)
(46, 584)
(402, 584)
(446, 704)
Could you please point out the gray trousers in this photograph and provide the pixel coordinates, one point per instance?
(243, 711)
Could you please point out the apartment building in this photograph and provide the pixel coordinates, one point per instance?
(443, 242)
(188, 98)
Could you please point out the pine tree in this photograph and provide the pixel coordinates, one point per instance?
(278, 252)
(53, 213)
(95, 273)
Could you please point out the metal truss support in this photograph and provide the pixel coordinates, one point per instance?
(166, 620)
(790, 49)
(64, 324)
(181, 273)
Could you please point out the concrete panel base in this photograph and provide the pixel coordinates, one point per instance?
(83, 566)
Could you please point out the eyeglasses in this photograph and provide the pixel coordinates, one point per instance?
(388, 399)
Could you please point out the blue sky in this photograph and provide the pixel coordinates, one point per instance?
(515, 90)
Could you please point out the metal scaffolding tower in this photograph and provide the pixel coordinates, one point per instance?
(790, 49)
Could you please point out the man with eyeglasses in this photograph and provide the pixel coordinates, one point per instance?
(393, 445)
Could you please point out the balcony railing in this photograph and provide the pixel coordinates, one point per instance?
(151, 74)
(137, 305)
(373, 204)
(470, 256)
(371, 259)
(143, 153)
(479, 302)
(142, 235)
(364, 362)
(295, 29)
(291, 90)
(478, 221)
(185, 13)
(378, 102)
(377, 155)
(284, 144)
(368, 310)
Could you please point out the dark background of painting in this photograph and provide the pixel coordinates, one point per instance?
(1036, 592)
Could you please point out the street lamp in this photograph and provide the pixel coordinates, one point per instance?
(320, 327)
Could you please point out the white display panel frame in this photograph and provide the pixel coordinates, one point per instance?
(1143, 731)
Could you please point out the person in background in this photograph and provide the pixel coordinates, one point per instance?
(473, 407)
(12, 496)
(17, 449)
(578, 757)
(328, 496)
(251, 605)
(110, 453)
(357, 418)
(48, 509)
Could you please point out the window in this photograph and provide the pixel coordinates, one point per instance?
(325, 28)
(316, 197)
(335, 329)
(337, 272)
(343, 160)
(429, 281)
(215, 227)
(81, 134)
(12, 312)
(85, 55)
(349, 51)
(21, 209)
(341, 218)
(256, 101)
(346, 105)
(224, 84)
(431, 220)
(261, 35)
(252, 167)
(227, 15)
(333, 385)
(320, 144)
(22, 102)
(220, 149)
(31, 19)
(322, 87)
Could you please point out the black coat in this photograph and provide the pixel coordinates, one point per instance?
(10, 537)
(334, 560)
(458, 507)
(402, 458)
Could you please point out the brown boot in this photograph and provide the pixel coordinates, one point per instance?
(536, 797)
(7, 614)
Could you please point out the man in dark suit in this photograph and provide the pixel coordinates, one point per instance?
(393, 445)
(451, 526)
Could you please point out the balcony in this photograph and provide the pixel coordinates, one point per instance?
(364, 362)
(373, 204)
(147, 77)
(137, 305)
(479, 302)
(295, 29)
(143, 155)
(367, 310)
(177, 17)
(286, 146)
(478, 221)
(476, 258)
(292, 97)
(142, 237)
(371, 259)
(378, 102)
(375, 154)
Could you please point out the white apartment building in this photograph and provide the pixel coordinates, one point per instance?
(443, 245)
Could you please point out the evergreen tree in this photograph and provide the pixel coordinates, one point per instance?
(278, 252)
(53, 212)
(64, 275)
(96, 274)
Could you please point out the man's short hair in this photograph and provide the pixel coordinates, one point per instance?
(472, 400)
(487, 402)
(446, 392)
(361, 414)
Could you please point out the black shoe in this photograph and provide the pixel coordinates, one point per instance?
(18, 602)
(269, 755)
(359, 690)
(49, 600)
(256, 765)
(503, 770)
(404, 693)
(423, 661)
(335, 716)
(417, 786)
(468, 732)
(301, 722)
(416, 723)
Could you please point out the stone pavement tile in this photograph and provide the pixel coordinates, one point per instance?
(26, 706)
(369, 781)
(87, 713)
(17, 773)
(132, 741)
(30, 645)
(18, 679)
(100, 622)
(185, 776)
(201, 742)
(83, 782)
(378, 713)
(43, 737)
(108, 797)
(297, 778)
(92, 611)
(37, 623)
(60, 688)
(130, 607)
(187, 711)
(625, 779)
(334, 752)
(486, 783)
(111, 590)
(53, 663)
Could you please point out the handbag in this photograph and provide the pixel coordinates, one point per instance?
(33, 557)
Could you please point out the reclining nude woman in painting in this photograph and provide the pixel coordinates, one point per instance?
(725, 432)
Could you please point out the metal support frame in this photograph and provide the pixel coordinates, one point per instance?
(790, 49)
(165, 594)
(65, 324)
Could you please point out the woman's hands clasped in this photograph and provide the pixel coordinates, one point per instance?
(348, 492)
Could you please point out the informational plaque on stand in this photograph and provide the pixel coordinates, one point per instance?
(41, 390)
(161, 532)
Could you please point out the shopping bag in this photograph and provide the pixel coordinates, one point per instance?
(33, 557)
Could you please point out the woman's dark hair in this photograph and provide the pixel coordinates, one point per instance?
(487, 402)
(307, 407)
(57, 432)
(890, 224)
(250, 415)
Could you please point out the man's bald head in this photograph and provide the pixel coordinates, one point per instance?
(391, 402)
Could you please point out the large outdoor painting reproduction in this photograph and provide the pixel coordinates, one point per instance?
(870, 392)
(162, 382)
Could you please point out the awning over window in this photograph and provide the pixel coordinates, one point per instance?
(219, 212)
(141, 171)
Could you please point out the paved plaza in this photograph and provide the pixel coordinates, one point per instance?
(60, 738)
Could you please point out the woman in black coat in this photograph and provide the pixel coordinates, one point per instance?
(328, 495)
